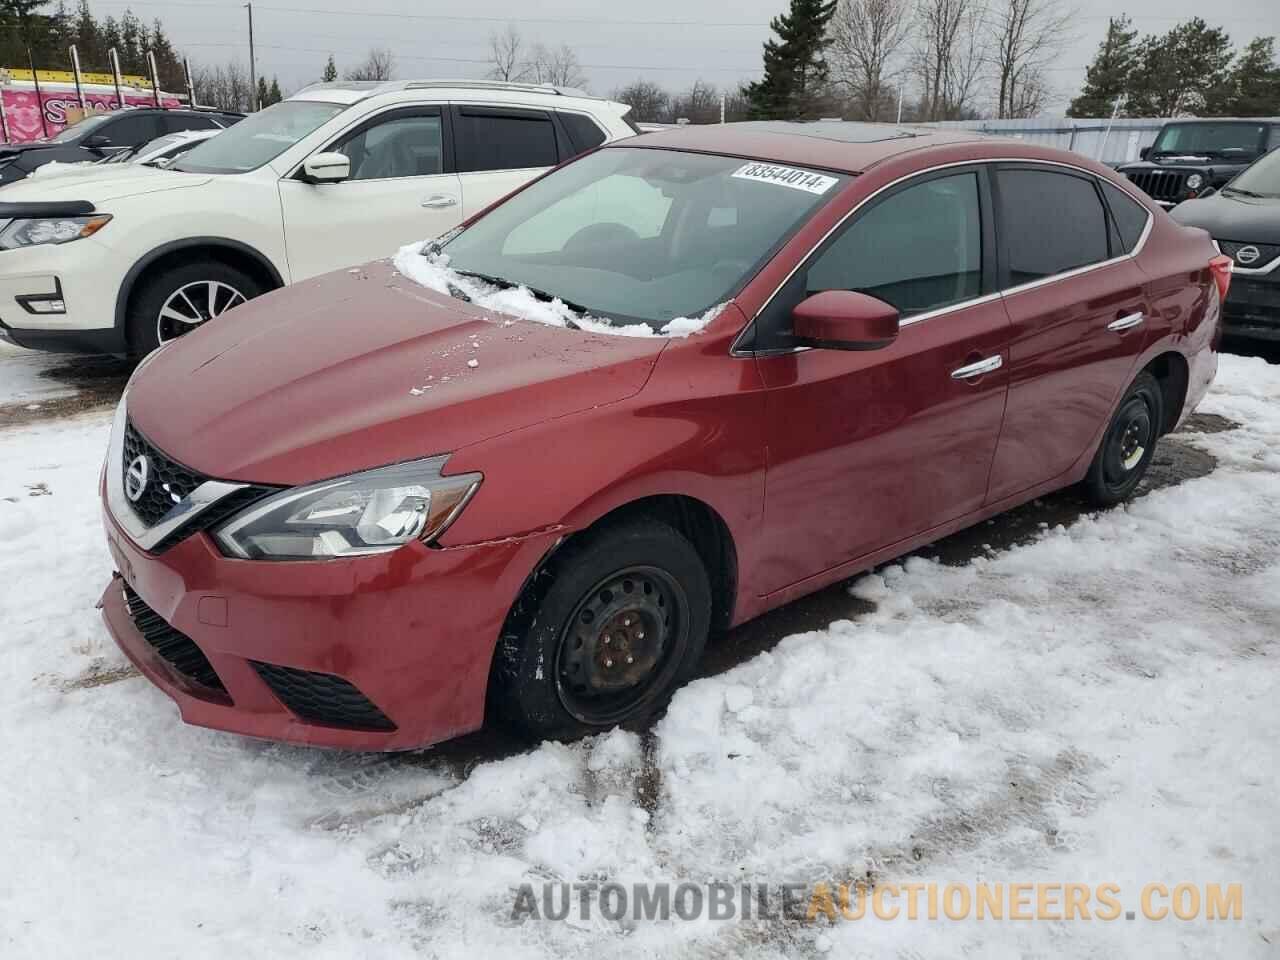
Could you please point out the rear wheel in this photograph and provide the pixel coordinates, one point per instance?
(617, 624)
(1128, 445)
(177, 300)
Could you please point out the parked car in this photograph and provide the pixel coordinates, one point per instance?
(360, 510)
(103, 135)
(162, 150)
(1244, 220)
(335, 175)
(1190, 158)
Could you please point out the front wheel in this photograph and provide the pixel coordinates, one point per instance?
(1128, 445)
(176, 301)
(614, 627)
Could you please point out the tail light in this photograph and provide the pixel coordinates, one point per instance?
(1221, 269)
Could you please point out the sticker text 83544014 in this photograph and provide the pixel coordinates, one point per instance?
(785, 177)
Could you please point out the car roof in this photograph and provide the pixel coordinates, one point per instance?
(841, 145)
(353, 91)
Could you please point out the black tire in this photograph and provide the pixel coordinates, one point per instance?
(144, 320)
(638, 590)
(1128, 445)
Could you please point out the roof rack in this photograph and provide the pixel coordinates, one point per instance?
(497, 85)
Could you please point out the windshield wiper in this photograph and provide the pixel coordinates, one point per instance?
(1242, 192)
(543, 295)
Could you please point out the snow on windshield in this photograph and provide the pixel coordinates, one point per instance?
(433, 272)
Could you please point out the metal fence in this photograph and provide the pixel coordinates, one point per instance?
(1090, 137)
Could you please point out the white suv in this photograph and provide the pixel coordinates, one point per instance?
(338, 174)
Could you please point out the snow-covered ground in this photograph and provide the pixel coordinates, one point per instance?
(1099, 705)
(23, 379)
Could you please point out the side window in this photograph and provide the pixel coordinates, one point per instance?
(1050, 223)
(131, 130)
(583, 131)
(617, 209)
(171, 123)
(503, 140)
(919, 249)
(1129, 216)
(400, 146)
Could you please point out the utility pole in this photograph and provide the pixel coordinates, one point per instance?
(253, 72)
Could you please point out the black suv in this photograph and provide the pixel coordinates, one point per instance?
(103, 134)
(1244, 220)
(1190, 157)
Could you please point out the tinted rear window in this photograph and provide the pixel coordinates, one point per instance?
(1050, 222)
(492, 141)
(582, 130)
(1130, 216)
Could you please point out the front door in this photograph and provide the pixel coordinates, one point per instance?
(1077, 303)
(866, 449)
(402, 189)
(502, 148)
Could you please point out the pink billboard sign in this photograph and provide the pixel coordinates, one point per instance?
(22, 109)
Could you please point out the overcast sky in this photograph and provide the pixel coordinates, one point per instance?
(672, 42)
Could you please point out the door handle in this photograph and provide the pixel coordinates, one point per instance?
(978, 369)
(436, 201)
(1127, 322)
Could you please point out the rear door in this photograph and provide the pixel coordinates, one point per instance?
(401, 189)
(869, 448)
(501, 148)
(1080, 318)
(130, 129)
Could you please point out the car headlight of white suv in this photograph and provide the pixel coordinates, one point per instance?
(41, 230)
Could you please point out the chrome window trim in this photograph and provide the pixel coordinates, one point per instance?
(1255, 271)
(195, 503)
(734, 350)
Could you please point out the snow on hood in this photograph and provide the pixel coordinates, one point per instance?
(100, 184)
(55, 168)
(433, 272)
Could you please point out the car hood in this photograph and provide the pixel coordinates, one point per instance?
(362, 368)
(1233, 217)
(1189, 164)
(110, 181)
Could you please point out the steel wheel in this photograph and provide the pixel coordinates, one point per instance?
(1131, 435)
(193, 304)
(625, 639)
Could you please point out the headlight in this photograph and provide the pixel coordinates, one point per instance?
(371, 512)
(30, 233)
(1194, 181)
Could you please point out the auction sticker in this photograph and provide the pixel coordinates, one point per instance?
(785, 177)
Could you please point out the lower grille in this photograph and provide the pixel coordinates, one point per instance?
(1250, 300)
(322, 698)
(177, 649)
(1167, 185)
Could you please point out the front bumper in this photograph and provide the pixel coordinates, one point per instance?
(1252, 307)
(83, 276)
(412, 632)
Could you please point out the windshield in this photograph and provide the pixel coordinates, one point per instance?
(77, 130)
(643, 235)
(259, 138)
(1262, 179)
(1243, 140)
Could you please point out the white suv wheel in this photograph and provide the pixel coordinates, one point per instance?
(193, 304)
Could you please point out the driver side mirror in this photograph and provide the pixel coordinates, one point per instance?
(1144, 153)
(844, 320)
(96, 141)
(326, 168)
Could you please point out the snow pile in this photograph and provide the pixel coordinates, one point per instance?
(55, 168)
(433, 272)
(1098, 705)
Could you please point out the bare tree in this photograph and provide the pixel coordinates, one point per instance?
(506, 54)
(949, 56)
(380, 64)
(648, 101)
(867, 37)
(1026, 34)
(223, 86)
(699, 104)
(558, 67)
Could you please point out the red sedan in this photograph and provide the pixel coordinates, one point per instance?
(357, 511)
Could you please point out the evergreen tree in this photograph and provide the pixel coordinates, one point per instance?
(795, 69)
(264, 95)
(1255, 81)
(1186, 71)
(330, 71)
(1107, 78)
(274, 95)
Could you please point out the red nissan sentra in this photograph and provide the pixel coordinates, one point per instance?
(670, 385)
